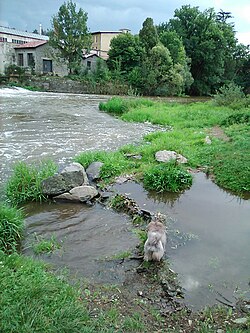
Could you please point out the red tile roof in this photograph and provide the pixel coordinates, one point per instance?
(31, 44)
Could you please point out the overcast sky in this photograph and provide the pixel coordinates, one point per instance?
(115, 14)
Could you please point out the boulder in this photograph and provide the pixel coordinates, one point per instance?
(94, 170)
(54, 185)
(80, 194)
(168, 155)
(72, 176)
(75, 174)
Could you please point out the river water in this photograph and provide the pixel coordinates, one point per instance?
(213, 265)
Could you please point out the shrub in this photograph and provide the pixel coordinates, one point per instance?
(119, 106)
(167, 177)
(236, 118)
(231, 95)
(11, 227)
(25, 183)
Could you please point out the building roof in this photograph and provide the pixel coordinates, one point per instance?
(89, 55)
(31, 45)
(15, 32)
(106, 32)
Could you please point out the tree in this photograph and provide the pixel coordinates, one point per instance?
(209, 42)
(148, 34)
(70, 34)
(125, 49)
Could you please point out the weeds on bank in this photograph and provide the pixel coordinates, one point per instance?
(169, 177)
(118, 106)
(11, 227)
(228, 161)
(46, 245)
(25, 183)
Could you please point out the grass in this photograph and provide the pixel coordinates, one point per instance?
(46, 245)
(168, 177)
(25, 183)
(11, 227)
(118, 106)
(228, 161)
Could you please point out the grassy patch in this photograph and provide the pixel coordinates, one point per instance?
(228, 161)
(32, 300)
(118, 106)
(11, 227)
(46, 245)
(114, 163)
(25, 183)
(168, 177)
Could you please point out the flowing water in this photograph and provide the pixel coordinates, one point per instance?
(213, 265)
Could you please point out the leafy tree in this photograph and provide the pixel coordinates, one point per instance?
(153, 72)
(125, 49)
(209, 42)
(70, 34)
(148, 34)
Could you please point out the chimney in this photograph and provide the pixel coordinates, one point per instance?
(40, 29)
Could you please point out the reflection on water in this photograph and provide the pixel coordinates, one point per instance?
(217, 260)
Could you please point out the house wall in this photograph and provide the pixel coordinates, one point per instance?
(40, 53)
(101, 42)
(7, 55)
(90, 63)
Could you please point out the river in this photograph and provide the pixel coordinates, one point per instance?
(214, 264)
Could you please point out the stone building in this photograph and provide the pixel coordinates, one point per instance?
(38, 57)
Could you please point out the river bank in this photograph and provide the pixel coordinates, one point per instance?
(136, 306)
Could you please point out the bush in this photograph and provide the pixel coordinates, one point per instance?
(119, 106)
(11, 227)
(14, 69)
(25, 183)
(236, 118)
(167, 177)
(231, 95)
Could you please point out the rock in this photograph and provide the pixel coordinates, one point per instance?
(75, 174)
(240, 321)
(168, 155)
(54, 185)
(80, 194)
(94, 170)
(72, 176)
(208, 140)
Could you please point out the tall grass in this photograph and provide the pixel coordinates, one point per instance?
(25, 183)
(11, 227)
(118, 106)
(168, 177)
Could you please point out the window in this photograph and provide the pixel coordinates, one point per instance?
(47, 66)
(3, 39)
(88, 65)
(20, 59)
(30, 60)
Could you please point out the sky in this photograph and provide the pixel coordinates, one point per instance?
(106, 15)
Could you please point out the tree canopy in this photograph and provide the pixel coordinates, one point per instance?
(69, 34)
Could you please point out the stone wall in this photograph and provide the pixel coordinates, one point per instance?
(65, 85)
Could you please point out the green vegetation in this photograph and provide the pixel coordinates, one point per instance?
(118, 106)
(226, 158)
(168, 177)
(70, 34)
(11, 227)
(46, 245)
(25, 183)
(233, 96)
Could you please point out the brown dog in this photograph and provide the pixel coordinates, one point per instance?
(154, 246)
